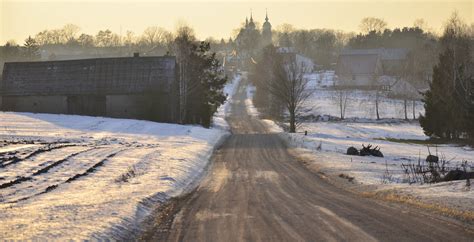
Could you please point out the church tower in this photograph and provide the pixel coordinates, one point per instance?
(266, 31)
(251, 24)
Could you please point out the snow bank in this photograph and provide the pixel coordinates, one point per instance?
(105, 177)
(229, 89)
(271, 126)
(251, 110)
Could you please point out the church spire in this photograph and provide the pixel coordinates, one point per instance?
(266, 15)
(251, 18)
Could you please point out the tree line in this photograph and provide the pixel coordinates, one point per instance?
(70, 35)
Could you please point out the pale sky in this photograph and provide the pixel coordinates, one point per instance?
(20, 18)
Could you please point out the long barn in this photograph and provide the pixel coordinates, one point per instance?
(126, 87)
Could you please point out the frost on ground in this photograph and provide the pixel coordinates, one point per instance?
(327, 142)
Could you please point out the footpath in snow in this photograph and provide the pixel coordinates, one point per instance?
(78, 177)
(327, 142)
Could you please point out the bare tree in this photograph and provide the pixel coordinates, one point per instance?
(107, 38)
(421, 24)
(370, 24)
(290, 86)
(43, 37)
(129, 38)
(341, 96)
(406, 92)
(167, 41)
(153, 36)
(377, 101)
(182, 49)
(85, 40)
(57, 36)
(69, 32)
(378, 89)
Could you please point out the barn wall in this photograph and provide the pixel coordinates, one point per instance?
(144, 107)
(126, 106)
(364, 80)
(156, 107)
(90, 105)
(35, 104)
(135, 87)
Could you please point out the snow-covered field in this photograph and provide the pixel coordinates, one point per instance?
(335, 137)
(328, 141)
(78, 177)
(91, 177)
(360, 103)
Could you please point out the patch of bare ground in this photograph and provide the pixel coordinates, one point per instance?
(157, 225)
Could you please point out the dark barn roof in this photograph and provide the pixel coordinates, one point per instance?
(125, 75)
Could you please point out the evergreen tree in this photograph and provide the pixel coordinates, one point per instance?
(206, 85)
(31, 49)
(438, 101)
(470, 115)
(211, 80)
(448, 103)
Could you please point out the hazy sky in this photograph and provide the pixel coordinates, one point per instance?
(20, 18)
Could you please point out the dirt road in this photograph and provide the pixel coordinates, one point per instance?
(257, 191)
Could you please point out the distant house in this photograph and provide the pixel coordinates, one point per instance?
(399, 88)
(291, 54)
(363, 67)
(125, 87)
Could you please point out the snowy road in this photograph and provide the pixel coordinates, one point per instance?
(258, 191)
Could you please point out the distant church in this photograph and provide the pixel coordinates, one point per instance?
(249, 36)
(266, 31)
(247, 44)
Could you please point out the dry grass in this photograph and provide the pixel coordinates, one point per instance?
(392, 196)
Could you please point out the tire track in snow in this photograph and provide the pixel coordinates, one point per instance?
(90, 170)
(15, 159)
(41, 171)
(28, 167)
